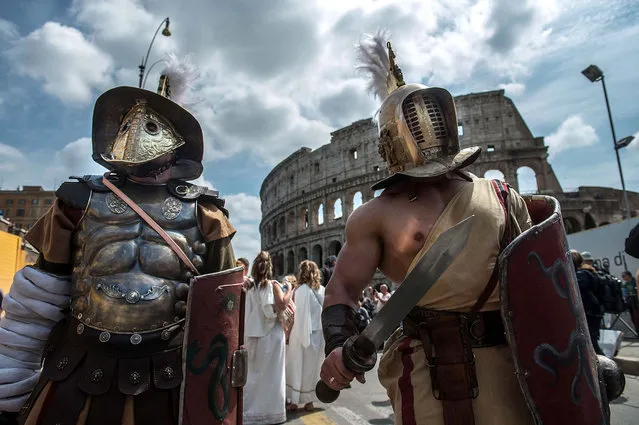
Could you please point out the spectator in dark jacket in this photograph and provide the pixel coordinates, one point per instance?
(327, 270)
(632, 242)
(588, 282)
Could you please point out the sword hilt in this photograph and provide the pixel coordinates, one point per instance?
(359, 355)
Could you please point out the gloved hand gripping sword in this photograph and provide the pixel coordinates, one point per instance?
(359, 352)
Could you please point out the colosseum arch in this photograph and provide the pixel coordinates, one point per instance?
(377, 193)
(320, 214)
(290, 262)
(589, 221)
(302, 254)
(278, 264)
(334, 247)
(281, 227)
(338, 209)
(572, 225)
(317, 255)
(527, 180)
(494, 174)
(357, 200)
(290, 222)
(304, 222)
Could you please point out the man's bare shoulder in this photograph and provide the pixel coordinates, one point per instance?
(367, 217)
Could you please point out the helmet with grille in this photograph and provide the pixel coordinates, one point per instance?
(417, 124)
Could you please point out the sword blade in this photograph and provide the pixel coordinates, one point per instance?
(423, 276)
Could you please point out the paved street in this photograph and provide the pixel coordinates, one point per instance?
(367, 405)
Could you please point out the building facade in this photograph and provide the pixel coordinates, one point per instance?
(307, 197)
(23, 207)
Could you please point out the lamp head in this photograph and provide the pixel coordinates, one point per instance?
(165, 31)
(593, 73)
(620, 144)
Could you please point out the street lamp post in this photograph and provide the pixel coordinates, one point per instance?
(166, 33)
(593, 73)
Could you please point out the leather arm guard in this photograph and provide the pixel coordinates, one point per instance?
(338, 324)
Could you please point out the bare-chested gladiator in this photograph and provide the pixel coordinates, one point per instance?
(450, 361)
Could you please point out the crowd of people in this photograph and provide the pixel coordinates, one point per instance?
(601, 293)
(283, 335)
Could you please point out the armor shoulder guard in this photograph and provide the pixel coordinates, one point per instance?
(74, 194)
(191, 192)
(95, 182)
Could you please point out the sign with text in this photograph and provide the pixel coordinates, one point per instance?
(606, 244)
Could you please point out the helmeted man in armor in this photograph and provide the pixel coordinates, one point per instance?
(462, 355)
(116, 289)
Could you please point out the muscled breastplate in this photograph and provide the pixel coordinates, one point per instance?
(125, 276)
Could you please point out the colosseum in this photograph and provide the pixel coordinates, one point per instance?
(307, 197)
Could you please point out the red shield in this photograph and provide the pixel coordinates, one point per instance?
(214, 360)
(545, 323)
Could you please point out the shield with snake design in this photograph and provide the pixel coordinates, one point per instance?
(214, 358)
(545, 324)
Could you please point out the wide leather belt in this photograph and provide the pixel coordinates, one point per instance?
(484, 329)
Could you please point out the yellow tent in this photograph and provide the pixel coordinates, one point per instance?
(13, 257)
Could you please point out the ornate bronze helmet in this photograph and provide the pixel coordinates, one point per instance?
(139, 132)
(417, 124)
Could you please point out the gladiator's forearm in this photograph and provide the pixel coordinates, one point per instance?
(338, 316)
(33, 306)
(338, 324)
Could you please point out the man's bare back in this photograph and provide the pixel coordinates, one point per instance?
(386, 234)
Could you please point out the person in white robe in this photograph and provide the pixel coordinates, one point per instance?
(265, 389)
(305, 351)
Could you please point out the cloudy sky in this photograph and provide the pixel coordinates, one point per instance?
(280, 74)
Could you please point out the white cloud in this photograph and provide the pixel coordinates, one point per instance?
(201, 181)
(573, 133)
(635, 143)
(513, 89)
(244, 207)
(245, 215)
(69, 65)
(8, 31)
(107, 21)
(11, 159)
(74, 160)
(47, 168)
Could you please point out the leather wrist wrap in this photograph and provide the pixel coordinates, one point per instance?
(338, 324)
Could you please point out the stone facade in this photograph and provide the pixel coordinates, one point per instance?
(307, 198)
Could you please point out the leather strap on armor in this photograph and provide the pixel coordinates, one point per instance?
(135, 207)
(338, 324)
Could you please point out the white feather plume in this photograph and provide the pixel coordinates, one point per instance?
(182, 74)
(373, 58)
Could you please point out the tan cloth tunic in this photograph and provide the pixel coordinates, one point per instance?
(403, 370)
